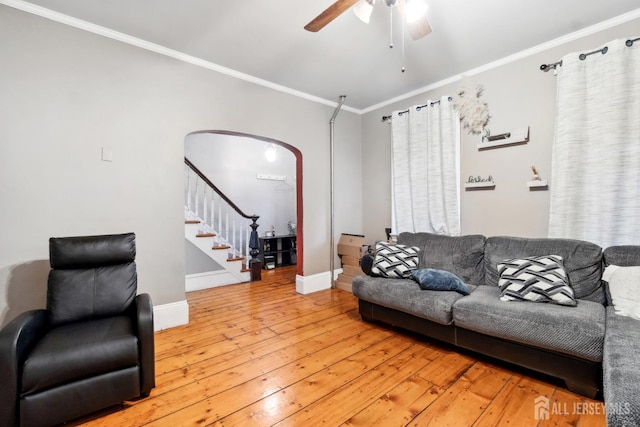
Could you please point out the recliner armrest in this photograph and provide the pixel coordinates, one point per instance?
(144, 314)
(16, 340)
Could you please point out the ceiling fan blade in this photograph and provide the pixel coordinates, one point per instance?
(330, 13)
(419, 28)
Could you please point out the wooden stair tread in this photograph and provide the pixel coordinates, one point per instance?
(217, 248)
(192, 221)
(206, 235)
(241, 258)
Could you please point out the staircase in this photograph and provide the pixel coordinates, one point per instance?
(221, 231)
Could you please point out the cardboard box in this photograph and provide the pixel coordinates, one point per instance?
(352, 270)
(351, 245)
(345, 286)
(344, 282)
(349, 260)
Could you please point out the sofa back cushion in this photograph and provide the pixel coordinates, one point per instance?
(460, 255)
(623, 256)
(582, 261)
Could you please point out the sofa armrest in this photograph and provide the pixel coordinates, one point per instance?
(144, 313)
(621, 369)
(16, 340)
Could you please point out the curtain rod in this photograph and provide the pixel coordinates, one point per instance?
(583, 56)
(418, 108)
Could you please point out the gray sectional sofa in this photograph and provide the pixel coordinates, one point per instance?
(588, 346)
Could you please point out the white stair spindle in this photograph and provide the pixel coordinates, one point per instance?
(246, 243)
(240, 240)
(219, 223)
(188, 192)
(195, 191)
(204, 209)
(234, 239)
(226, 226)
(213, 224)
(240, 250)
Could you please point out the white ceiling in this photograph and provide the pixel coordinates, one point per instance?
(266, 39)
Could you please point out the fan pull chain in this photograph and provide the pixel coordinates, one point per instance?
(390, 28)
(403, 31)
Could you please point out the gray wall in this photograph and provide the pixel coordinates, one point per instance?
(66, 93)
(519, 95)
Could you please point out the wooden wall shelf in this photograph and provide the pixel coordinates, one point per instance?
(538, 185)
(517, 137)
(490, 185)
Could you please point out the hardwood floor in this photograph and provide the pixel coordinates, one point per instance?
(259, 354)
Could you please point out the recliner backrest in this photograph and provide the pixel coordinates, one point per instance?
(91, 277)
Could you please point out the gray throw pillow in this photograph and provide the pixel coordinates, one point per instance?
(439, 280)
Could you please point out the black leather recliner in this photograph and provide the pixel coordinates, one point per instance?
(92, 347)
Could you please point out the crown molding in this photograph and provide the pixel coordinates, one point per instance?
(618, 20)
(143, 44)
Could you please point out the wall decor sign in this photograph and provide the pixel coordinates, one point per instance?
(478, 182)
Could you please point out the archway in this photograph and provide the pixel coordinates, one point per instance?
(298, 187)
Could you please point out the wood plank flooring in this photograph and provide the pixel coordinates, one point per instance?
(259, 354)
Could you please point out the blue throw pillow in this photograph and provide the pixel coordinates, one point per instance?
(439, 280)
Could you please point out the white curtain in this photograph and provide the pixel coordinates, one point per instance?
(595, 183)
(425, 169)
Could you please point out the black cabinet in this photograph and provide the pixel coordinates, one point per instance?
(277, 251)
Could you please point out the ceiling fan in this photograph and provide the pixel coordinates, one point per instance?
(413, 11)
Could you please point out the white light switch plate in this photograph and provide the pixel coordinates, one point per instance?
(107, 154)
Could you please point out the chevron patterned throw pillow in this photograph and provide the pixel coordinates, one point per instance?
(537, 279)
(395, 261)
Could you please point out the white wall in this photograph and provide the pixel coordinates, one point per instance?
(66, 93)
(519, 95)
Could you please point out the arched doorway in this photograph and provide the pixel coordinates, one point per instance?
(298, 182)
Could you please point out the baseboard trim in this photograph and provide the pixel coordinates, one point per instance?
(170, 315)
(212, 279)
(314, 282)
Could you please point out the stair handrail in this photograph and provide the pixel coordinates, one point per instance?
(218, 191)
(255, 265)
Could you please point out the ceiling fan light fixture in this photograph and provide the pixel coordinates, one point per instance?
(363, 10)
(414, 10)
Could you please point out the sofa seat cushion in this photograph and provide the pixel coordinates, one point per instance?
(406, 295)
(575, 331)
(80, 350)
(621, 369)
